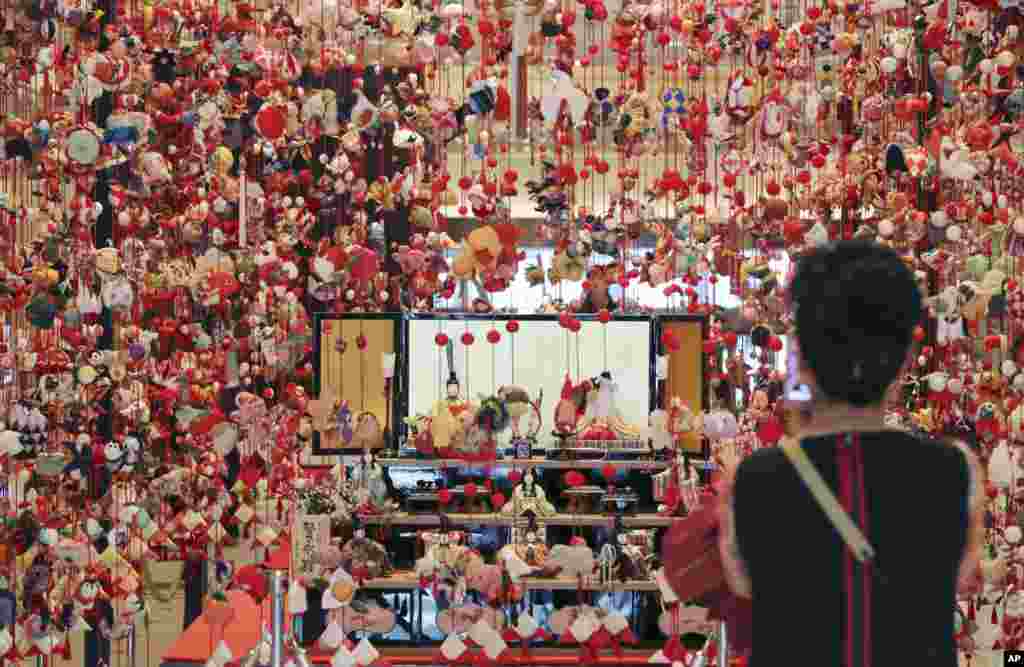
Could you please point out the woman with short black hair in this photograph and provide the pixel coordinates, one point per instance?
(855, 307)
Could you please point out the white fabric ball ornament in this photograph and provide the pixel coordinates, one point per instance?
(954, 233)
(93, 528)
(889, 64)
(1013, 534)
(1008, 368)
(1000, 466)
(1006, 59)
(10, 442)
(886, 228)
(937, 381)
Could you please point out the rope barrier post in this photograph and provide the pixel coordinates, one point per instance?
(723, 645)
(277, 617)
(131, 648)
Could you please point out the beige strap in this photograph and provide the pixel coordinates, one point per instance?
(837, 516)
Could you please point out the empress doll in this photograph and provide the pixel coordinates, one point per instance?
(529, 496)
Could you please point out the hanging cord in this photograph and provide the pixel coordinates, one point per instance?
(439, 365)
(362, 368)
(513, 341)
(604, 344)
(341, 359)
(579, 368)
(466, 368)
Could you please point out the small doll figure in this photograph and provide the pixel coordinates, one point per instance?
(371, 483)
(450, 415)
(680, 420)
(532, 550)
(529, 496)
(364, 558)
(598, 297)
(36, 584)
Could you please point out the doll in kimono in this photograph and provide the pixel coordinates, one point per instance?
(529, 496)
(450, 418)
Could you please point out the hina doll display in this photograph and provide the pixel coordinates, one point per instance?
(602, 419)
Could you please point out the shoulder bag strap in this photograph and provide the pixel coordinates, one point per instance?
(826, 499)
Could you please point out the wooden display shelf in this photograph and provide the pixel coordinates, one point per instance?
(401, 581)
(596, 464)
(490, 519)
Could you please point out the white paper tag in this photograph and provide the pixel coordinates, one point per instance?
(482, 633)
(342, 657)
(661, 367)
(668, 595)
(191, 520)
(526, 626)
(615, 623)
(222, 654)
(332, 637)
(516, 566)
(296, 598)
(45, 644)
(583, 627)
(266, 536)
(365, 654)
(452, 648)
(494, 647)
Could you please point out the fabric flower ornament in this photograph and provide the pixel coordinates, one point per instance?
(411, 259)
(382, 194)
(480, 253)
(363, 264)
(569, 266)
(918, 161)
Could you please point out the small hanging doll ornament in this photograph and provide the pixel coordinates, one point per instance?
(739, 100)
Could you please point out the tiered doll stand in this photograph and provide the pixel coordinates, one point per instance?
(417, 642)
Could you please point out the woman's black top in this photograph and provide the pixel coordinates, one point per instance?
(809, 597)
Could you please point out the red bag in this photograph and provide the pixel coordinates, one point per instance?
(693, 566)
(694, 569)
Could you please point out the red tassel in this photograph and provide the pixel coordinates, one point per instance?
(970, 610)
(600, 639)
(627, 637)
(673, 649)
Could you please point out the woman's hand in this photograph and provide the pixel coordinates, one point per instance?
(728, 455)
